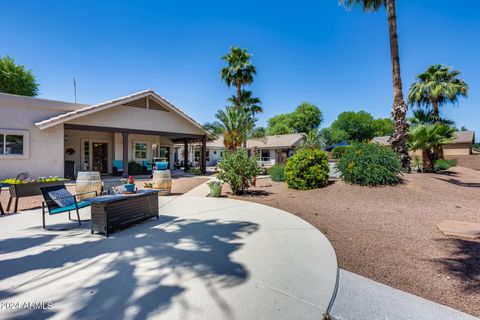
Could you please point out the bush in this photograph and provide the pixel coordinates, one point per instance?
(277, 173)
(444, 164)
(195, 171)
(307, 169)
(338, 152)
(134, 168)
(238, 170)
(370, 164)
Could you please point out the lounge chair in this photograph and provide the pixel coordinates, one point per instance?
(117, 167)
(56, 203)
(1, 186)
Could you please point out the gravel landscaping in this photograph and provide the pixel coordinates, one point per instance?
(389, 234)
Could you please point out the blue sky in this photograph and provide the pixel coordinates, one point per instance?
(313, 51)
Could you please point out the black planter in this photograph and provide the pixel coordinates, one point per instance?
(27, 190)
(31, 189)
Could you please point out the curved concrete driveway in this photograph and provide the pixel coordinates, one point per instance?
(203, 259)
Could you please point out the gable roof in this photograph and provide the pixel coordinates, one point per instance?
(459, 137)
(278, 141)
(68, 116)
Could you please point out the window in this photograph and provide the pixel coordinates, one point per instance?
(197, 155)
(13, 143)
(140, 150)
(265, 156)
(207, 156)
(86, 155)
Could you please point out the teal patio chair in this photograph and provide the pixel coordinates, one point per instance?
(117, 166)
(161, 165)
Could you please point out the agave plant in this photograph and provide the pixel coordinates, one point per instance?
(428, 138)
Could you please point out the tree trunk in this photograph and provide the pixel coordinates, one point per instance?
(399, 109)
(428, 161)
(239, 93)
(436, 112)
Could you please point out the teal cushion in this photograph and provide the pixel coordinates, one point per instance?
(81, 204)
(118, 164)
(161, 165)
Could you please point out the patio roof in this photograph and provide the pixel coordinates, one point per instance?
(133, 100)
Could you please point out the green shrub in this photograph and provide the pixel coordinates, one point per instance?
(370, 164)
(338, 152)
(307, 169)
(444, 164)
(238, 170)
(195, 171)
(277, 173)
(134, 168)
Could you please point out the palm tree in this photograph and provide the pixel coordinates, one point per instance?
(437, 86)
(429, 138)
(313, 140)
(239, 70)
(426, 116)
(252, 104)
(235, 124)
(399, 109)
(215, 128)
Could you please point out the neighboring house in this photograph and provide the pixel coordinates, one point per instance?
(214, 152)
(461, 145)
(271, 149)
(54, 138)
(275, 149)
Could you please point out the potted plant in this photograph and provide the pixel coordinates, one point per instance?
(215, 188)
(31, 187)
(129, 184)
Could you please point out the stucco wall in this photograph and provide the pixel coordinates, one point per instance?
(138, 118)
(46, 146)
(459, 149)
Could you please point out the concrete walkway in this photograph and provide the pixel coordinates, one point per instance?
(359, 298)
(204, 258)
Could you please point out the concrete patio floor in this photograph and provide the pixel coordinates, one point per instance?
(203, 259)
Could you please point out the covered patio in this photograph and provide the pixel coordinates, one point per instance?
(136, 128)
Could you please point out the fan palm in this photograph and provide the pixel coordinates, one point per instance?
(399, 109)
(250, 103)
(429, 138)
(421, 116)
(235, 123)
(239, 71)
(437, 86)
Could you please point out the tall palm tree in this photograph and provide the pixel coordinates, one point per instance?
(235, 124)
(239, 70)
(399, 109)
(252, 104)
(215, 128)
(437, 86)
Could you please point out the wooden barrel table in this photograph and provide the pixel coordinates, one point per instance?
(88, 181)
(162, 180)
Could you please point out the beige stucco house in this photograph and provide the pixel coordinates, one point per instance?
(48, 138)
(461, 145)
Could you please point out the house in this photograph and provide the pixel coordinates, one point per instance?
(272, 149)
(275, 149)
(460, 146)
(53, 138)
(213, 154)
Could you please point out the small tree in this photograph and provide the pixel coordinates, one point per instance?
(15, 79)
(238, 170)
(429, 138)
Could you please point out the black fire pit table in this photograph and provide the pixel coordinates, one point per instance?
(118, 211)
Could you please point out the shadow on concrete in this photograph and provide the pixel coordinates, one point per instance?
(463, 263)
(127, 284)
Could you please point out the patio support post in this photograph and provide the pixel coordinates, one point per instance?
(125, 154)
(185, 155)
(203, 155)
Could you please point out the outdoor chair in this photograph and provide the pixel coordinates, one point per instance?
(64, 203)
(1, 186)
(117, 167)
(147, 166)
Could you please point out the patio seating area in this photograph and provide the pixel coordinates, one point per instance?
(219, 259)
